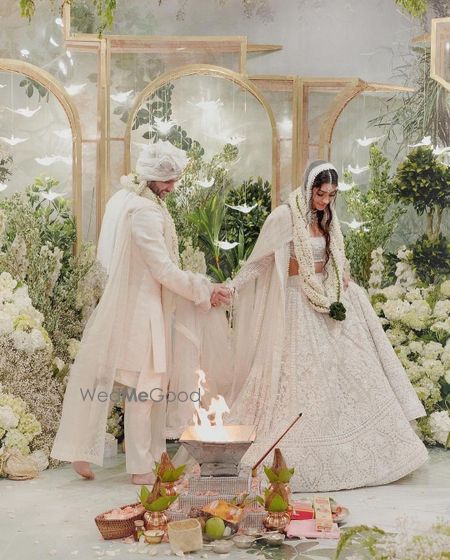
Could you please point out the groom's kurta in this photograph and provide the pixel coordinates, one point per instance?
(128, 337)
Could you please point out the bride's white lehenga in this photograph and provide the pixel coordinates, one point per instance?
(344, 376)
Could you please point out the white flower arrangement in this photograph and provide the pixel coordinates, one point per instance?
(417, 322)
(19, 320)
(18, 428)
(193, 259)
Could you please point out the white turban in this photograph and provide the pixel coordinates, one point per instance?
(161, 162)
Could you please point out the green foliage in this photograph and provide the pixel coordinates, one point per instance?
(376, 209)
(424, 182)
(431, 258)
(416, 8)
(207, 221)
(6, 161)
(37, 249)
(160, 503)
(276, 504)
(251, 192)
(284, 476)
(423, 112)
(156, 109)
(82, 16)
(105, 10)
(32, 87)
(353, 534)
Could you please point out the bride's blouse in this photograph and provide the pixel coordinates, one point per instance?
(251, 271)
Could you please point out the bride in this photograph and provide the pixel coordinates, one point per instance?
(307, 340)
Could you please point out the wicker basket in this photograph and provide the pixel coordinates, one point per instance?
(118, 528)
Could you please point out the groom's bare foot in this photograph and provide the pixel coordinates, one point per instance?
(83, 468)
(148, 478)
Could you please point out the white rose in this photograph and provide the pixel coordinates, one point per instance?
(58, 363)
(433, 368)
(8, 419)
(7, 281)
(72, 347)
(37, 339)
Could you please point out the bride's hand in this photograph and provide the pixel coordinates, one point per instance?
(220, 295)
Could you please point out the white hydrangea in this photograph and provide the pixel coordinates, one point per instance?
(445, 288)
(440, 426)
(432, 350)
(14, 439)
(193, 259)
(413, 294)
(445, 356)
(442, 309)
(72, 347)
(8, 419)
(376, 270)
(441, 326)
(416, 346)
(433, 368)
(397, 337)
(393, 292)
(395, 309)
(425, 388)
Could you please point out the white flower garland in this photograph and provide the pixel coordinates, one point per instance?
(315, 291)
(132, 182)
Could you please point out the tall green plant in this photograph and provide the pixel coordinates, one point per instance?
(423, 112)
(376, 210)
(423, 181)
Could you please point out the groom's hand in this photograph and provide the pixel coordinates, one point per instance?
(220, 296)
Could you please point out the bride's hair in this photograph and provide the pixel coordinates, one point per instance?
(324, 217)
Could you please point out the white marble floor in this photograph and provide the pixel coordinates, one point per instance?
(53, 516)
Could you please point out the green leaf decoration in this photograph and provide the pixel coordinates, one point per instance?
(286, 475)
(272, 477)
(161, 504)
(278, 504)
(144, 495)
(172, 475)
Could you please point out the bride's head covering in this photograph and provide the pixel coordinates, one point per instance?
(161, 162)
(312, 171)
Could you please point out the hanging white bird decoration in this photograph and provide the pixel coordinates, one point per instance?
(345, 187)
(242, 208)
(368, 141)
(357, 170)
(206, 183)
(426, 141)
(354, 224)
(226, 245)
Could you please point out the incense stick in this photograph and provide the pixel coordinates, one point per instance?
(255, 467)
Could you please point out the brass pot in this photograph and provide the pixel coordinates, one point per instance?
(155, 520)
(276, 520)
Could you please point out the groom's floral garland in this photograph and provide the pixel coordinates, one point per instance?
(133, 182)
(314, 290)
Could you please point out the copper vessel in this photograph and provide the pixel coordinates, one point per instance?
(276, 520)
(155, 520)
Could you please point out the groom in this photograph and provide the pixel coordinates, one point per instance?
(128, 339)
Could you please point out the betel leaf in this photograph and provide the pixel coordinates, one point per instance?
(278, 504)
(161, 503)
(144, 495)
(286, 474)
(270, 474)
(172, 475)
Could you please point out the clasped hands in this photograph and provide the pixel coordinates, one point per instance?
(221, 295)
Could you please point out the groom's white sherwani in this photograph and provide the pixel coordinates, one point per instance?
(128, 338)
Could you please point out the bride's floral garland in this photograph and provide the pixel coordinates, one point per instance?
(133, 182)
(315, 291)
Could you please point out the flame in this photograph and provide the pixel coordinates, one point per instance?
(209, 422)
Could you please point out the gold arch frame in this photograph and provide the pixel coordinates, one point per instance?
(352, 90)
(208, 70)
(56, 88)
